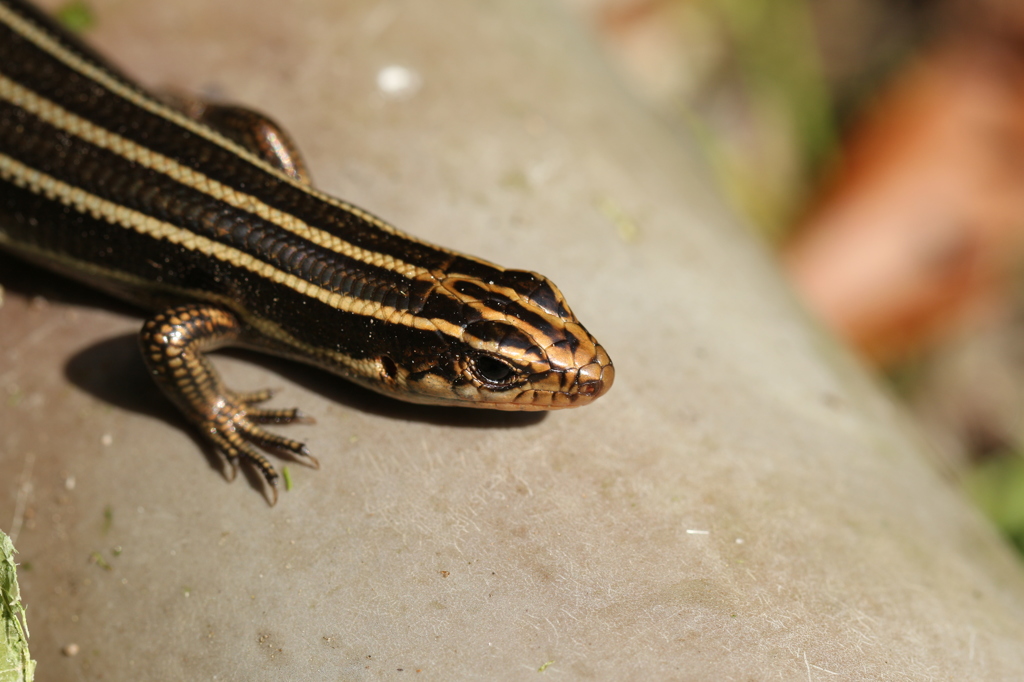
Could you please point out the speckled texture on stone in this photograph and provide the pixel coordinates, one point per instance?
(745, 504)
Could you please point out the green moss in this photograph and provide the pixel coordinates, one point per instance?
(15, 663)
(76, 16)
(98, 559)
(998, 487)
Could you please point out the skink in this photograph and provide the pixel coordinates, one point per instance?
(204, 215)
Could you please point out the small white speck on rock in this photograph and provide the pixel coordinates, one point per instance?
(398, 82)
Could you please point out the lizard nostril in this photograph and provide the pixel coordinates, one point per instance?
(593, 379)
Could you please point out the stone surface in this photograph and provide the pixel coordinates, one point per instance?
(744, 504)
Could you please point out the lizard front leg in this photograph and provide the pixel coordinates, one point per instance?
(173, 345)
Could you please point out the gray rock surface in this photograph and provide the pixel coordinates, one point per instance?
(745, 503)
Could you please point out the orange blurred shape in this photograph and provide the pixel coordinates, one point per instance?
(921, 228)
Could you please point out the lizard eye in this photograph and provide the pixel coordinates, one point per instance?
(490, 370)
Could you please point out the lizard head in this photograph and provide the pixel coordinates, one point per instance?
(506, 340)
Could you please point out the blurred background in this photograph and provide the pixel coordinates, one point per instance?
(878, 147)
